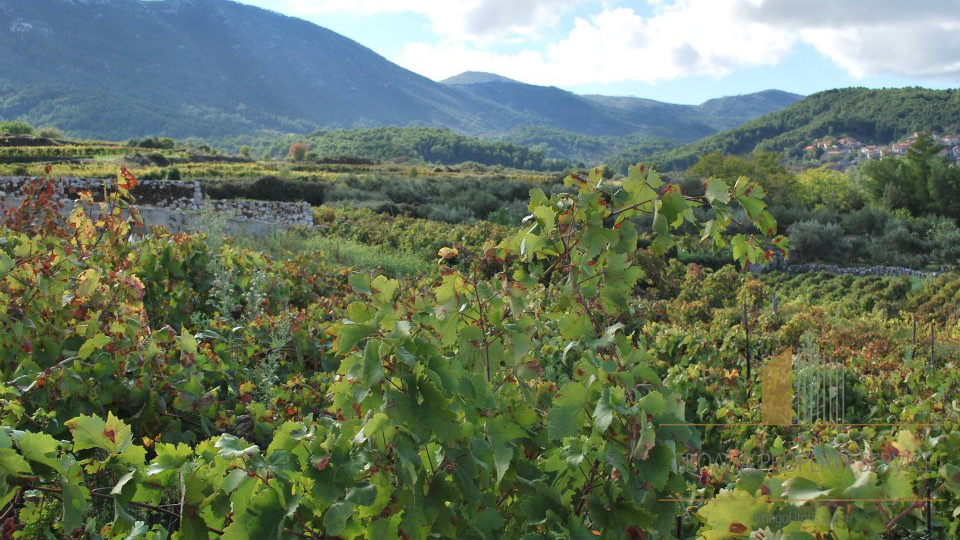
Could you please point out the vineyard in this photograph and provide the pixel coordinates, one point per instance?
(551, 382)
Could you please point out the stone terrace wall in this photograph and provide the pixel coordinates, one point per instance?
(173, 196)
(896, 271)
(162, 193)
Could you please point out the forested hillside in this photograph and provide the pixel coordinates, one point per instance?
(409, 144)
(116, 69)
(875, 116)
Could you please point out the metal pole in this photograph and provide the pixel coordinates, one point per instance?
(823, 386)
(843, 392)
(801, 389)
(828, 371)
(835, 394)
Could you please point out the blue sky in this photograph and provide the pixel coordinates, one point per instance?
(681, 51)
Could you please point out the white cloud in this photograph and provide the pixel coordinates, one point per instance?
(466, 20)
(913, 38)
(694, 37)
(920, 38)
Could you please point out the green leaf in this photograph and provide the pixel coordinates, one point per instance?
(118, 487)
(13, 463)
(717, 190)
(656, 468)
(6, 263)
(801, 490)
(754, 207)
(360, 282)
(350, 334)
(231, 447)
(41, 448)
(547, 218)
(372, 369)
(950, 474)
(530, 243)
(92, 432)
(661, 230)
(864, 487)
(653, 178)
(653, 403)
(265, 522)
(375, 424)
(575, 325)
(188, 343)
(537, 198)
(169, 457)
(138, 531)
(740, 249)
(735, 512)
(501, 431)
(487, 523)
(363, 495)
(76, 502)
(603, 412)
(749, 480)
(335, 518)
(675, 208)
(91, 345)
(562, 421)
(384, 289)
(640, 192)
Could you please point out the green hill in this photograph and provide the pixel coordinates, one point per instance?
(871, 116)
(216, 68)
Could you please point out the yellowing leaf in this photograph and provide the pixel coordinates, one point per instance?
(448, 253)
(91, 345)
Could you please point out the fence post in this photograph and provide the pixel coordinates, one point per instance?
(932, 344)
(746, 328)
(914, 333)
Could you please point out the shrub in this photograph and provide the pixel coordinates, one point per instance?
(15, 128)
(899, 247)
(812, 240)
(447, 213)
(298, 151)
(50, 132)
(945, 238)
(869, 220)
(275, 188)
(158, 143)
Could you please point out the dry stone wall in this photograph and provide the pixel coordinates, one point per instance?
(162, 196)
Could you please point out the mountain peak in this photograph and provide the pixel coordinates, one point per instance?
(477, 77)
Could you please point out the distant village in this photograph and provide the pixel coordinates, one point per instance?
(847, 151)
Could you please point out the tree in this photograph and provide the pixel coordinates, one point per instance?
(763, 168)
(298, 151)
(16, 128)
(245, 151)
(825, 186)
(922, 182)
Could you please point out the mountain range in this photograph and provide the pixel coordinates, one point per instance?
(214, 68)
